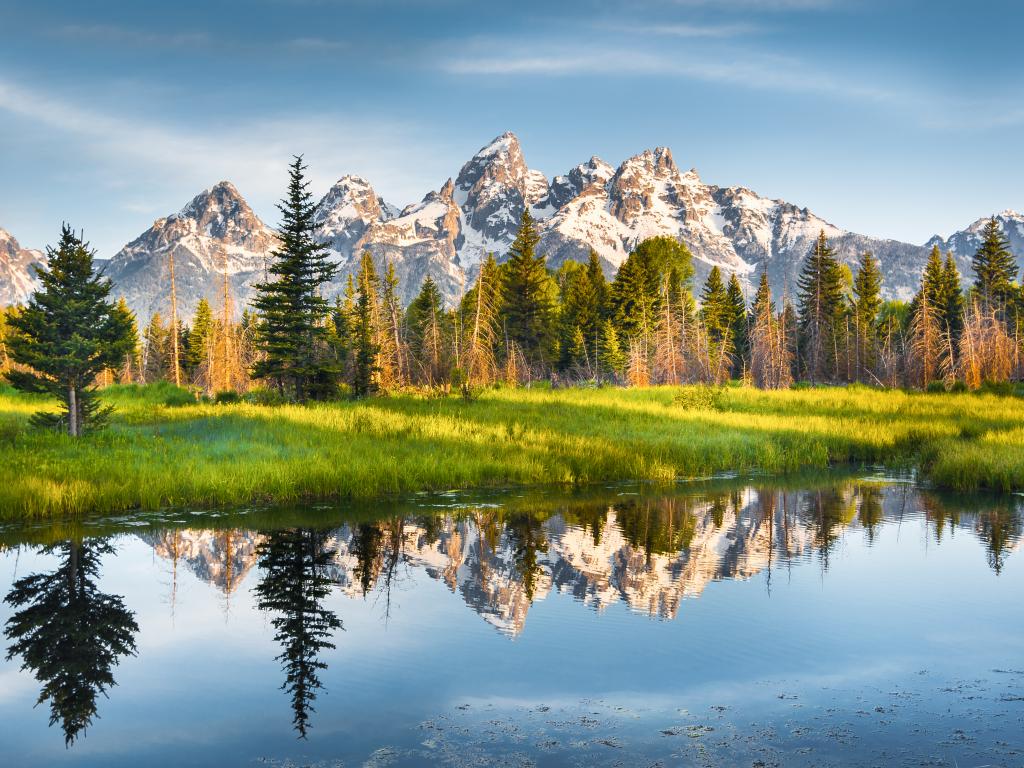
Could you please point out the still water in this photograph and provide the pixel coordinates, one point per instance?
(848, 621)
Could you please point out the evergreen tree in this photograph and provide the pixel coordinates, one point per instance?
(610, 354)
(770, 363)
(867, 291)
(933, 283)
(156, 350)
(296, 565)
(763, 298)
(343, 318)
(716, 310)
(199, 347)
(365, 364)
(67, 335)
(583, 294)
(131, 367)
(994, 268)
(953, 311)
(479, 319)
(425, 319)
(820, 293)
(738, 325)
(390, 332)
(599, 285)
(636, 291)
(529, 303)
(69, 633)
(291, 309)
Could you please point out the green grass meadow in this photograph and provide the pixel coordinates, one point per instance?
(157, 454)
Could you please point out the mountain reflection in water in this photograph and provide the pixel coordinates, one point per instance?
(647, 552)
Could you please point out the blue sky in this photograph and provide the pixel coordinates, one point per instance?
(897, 119)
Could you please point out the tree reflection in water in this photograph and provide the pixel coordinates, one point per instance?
(69, 633)
(296, 580)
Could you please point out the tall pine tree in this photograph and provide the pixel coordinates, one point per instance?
(529, 297)
(366, 351)
(820, 293)
(994, 268)
(292, 309)
(68, 334)
(867, 299)
(738, 327)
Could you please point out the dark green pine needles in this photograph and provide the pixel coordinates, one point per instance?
(292, 330)
(67, 335)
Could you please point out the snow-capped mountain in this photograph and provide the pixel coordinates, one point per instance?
(591, 206)
(17, 270)
(216, 232)
(448, 232)
(965, 243)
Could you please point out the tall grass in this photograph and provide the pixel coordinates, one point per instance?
(163, 449)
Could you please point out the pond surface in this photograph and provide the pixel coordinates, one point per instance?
(853, 621)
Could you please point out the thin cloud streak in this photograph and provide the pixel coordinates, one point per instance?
(174, 163)
(738, 67)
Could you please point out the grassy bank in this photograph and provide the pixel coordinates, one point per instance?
(156, 454)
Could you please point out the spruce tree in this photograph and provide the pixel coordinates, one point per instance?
(68, 334)
(69, 633)
(582, 293)
(738, 325)
(715, 308)
(529, 302)
(610, 354)
(761, 298)
(425, 319)
(867, 292)
(820, 294)
(200, 342)
(932, 283)
(365, 365)
(994, 268)
(635, 293)
(295, 584)
(292, 309)
(390, 331)
(156, 339)
(131, 368)
(479, 319)
(953, 311)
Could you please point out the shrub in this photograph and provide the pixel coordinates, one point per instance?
(700, 398)
(227, 397)
(264, 396)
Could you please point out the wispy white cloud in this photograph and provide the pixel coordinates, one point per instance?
(157, 166)
(111, 33)
(688, 30)
(145, 38)
(315, 44)
(738, 68)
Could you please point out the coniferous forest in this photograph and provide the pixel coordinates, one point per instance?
(519, 323)
(521, 326)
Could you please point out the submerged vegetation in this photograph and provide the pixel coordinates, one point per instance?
(165, 449)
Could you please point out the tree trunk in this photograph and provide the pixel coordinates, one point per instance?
(72, 411)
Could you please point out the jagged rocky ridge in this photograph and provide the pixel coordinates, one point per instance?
(17, 270)
(448, 232)
(730, 539)
(216, 232)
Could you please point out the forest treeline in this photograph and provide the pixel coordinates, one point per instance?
(519, 322)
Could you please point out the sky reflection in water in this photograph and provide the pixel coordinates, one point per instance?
(726, 623)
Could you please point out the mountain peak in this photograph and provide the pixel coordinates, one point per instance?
(506, 143)
(218, 209)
